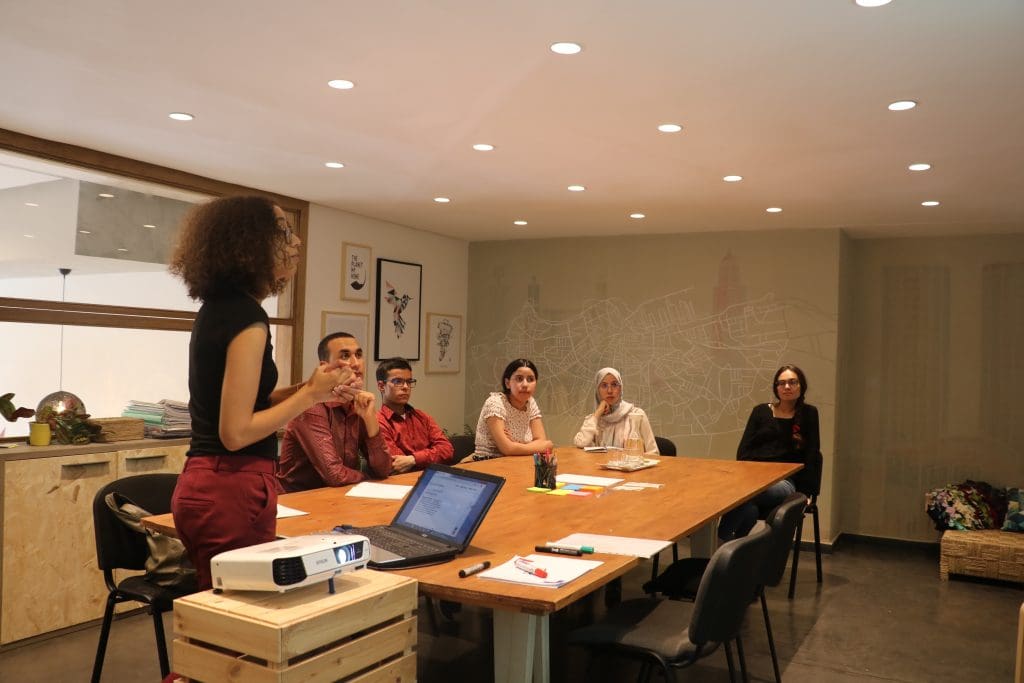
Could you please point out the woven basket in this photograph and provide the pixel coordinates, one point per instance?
(990, 554)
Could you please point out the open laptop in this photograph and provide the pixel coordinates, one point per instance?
(437, 520)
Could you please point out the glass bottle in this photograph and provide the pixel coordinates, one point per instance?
(634, 450)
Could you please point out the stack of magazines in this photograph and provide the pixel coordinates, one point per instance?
(164, 420)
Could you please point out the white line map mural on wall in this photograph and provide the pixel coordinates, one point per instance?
(696, 375)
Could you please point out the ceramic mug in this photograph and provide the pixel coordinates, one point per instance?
(39, 433)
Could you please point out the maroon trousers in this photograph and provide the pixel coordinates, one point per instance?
(223, 502)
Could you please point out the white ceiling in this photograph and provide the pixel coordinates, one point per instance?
(791, 94)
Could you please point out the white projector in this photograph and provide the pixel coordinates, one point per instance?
(289, 562)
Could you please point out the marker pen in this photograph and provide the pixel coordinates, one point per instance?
(568, 546)
(473, 569)
(557, 550)
(525, 565)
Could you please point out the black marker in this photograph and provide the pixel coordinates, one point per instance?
(557, 550)
(473, 569)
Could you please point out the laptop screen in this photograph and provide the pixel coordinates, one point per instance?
(448, 503)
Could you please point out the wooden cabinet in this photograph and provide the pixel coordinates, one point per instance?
(49, 576)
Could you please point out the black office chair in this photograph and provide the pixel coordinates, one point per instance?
(118, 547)
(464, 445)
(681, 580)
(670, 634)
(665, 446)
(808, 482)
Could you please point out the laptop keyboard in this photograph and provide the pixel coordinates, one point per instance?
(400, 544)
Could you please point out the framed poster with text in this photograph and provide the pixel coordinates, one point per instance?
(355, 271)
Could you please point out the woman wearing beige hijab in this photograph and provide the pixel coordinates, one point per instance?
(609, 424)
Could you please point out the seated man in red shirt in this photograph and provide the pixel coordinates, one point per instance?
(336, 442)
(413, 438)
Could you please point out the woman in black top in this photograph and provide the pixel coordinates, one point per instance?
(233, 253)
(784, 431)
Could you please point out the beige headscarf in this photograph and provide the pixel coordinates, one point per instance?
(617, 412)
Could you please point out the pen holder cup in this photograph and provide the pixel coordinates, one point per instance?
(544, 475)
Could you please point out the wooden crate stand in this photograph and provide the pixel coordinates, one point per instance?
(364, 633)
(989, 554)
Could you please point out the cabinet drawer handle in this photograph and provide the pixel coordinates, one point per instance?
(146, 456)
(85, 464)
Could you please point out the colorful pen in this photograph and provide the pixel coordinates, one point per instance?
(566, 546)
(557, 550)
(525, 565)
(473, 569)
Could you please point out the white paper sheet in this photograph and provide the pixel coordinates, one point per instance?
(601, 449)
(371, 489)
(561, 570)
(587, 480)
(617, 545)
(285, 511)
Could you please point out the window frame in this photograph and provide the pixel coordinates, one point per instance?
(105, 315)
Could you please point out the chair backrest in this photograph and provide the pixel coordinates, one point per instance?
(782, 521)
(808, 480)
(464, 445)
(665, 446)
(117, 546)
(728, 586)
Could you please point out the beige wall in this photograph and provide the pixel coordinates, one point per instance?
(444, 291)
(696, 323)
(932, 391)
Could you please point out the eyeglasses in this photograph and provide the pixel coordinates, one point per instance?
(613, 386)
(399, 382)
(787, 383)
(286, 228)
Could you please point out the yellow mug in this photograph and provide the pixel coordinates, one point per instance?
(39, 433)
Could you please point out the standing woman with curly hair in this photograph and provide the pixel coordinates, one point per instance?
(783, 431)
(232, 253)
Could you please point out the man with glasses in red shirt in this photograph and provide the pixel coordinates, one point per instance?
(413, 438)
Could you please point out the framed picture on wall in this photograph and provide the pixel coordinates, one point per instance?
(355, 271)
(356, 324)
(397, 329)
(444, 342)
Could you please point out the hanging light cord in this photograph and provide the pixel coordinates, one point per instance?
(60, 366)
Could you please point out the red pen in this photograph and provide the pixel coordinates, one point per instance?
(525, 565)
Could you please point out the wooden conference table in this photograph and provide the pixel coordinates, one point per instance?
(695, 492)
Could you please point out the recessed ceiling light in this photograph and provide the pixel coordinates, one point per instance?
(902, 105)
(773, 209)
(334, 164)
(518, 222)
(442, 200)
(576, 188)
(483, 147)
(105, 195)
(121, 249)
(31, 204)
(732, 178)
(919, 167)
(181, 116)
(148, 225)
(637, 215)
(670, 128)
(341, 84)
(566, 48)
(872, 3)
(85, 232)
(31, 237)
(930, 202)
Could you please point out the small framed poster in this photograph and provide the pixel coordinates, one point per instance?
(444, 342)
(355, 271)
(356, 324)
(397, 331)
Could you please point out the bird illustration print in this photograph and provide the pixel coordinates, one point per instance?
(398, 303)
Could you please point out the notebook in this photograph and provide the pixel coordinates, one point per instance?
(437, 520)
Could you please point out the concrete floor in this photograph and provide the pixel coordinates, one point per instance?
(882, 614)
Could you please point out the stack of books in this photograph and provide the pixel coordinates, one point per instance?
(164, 420)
